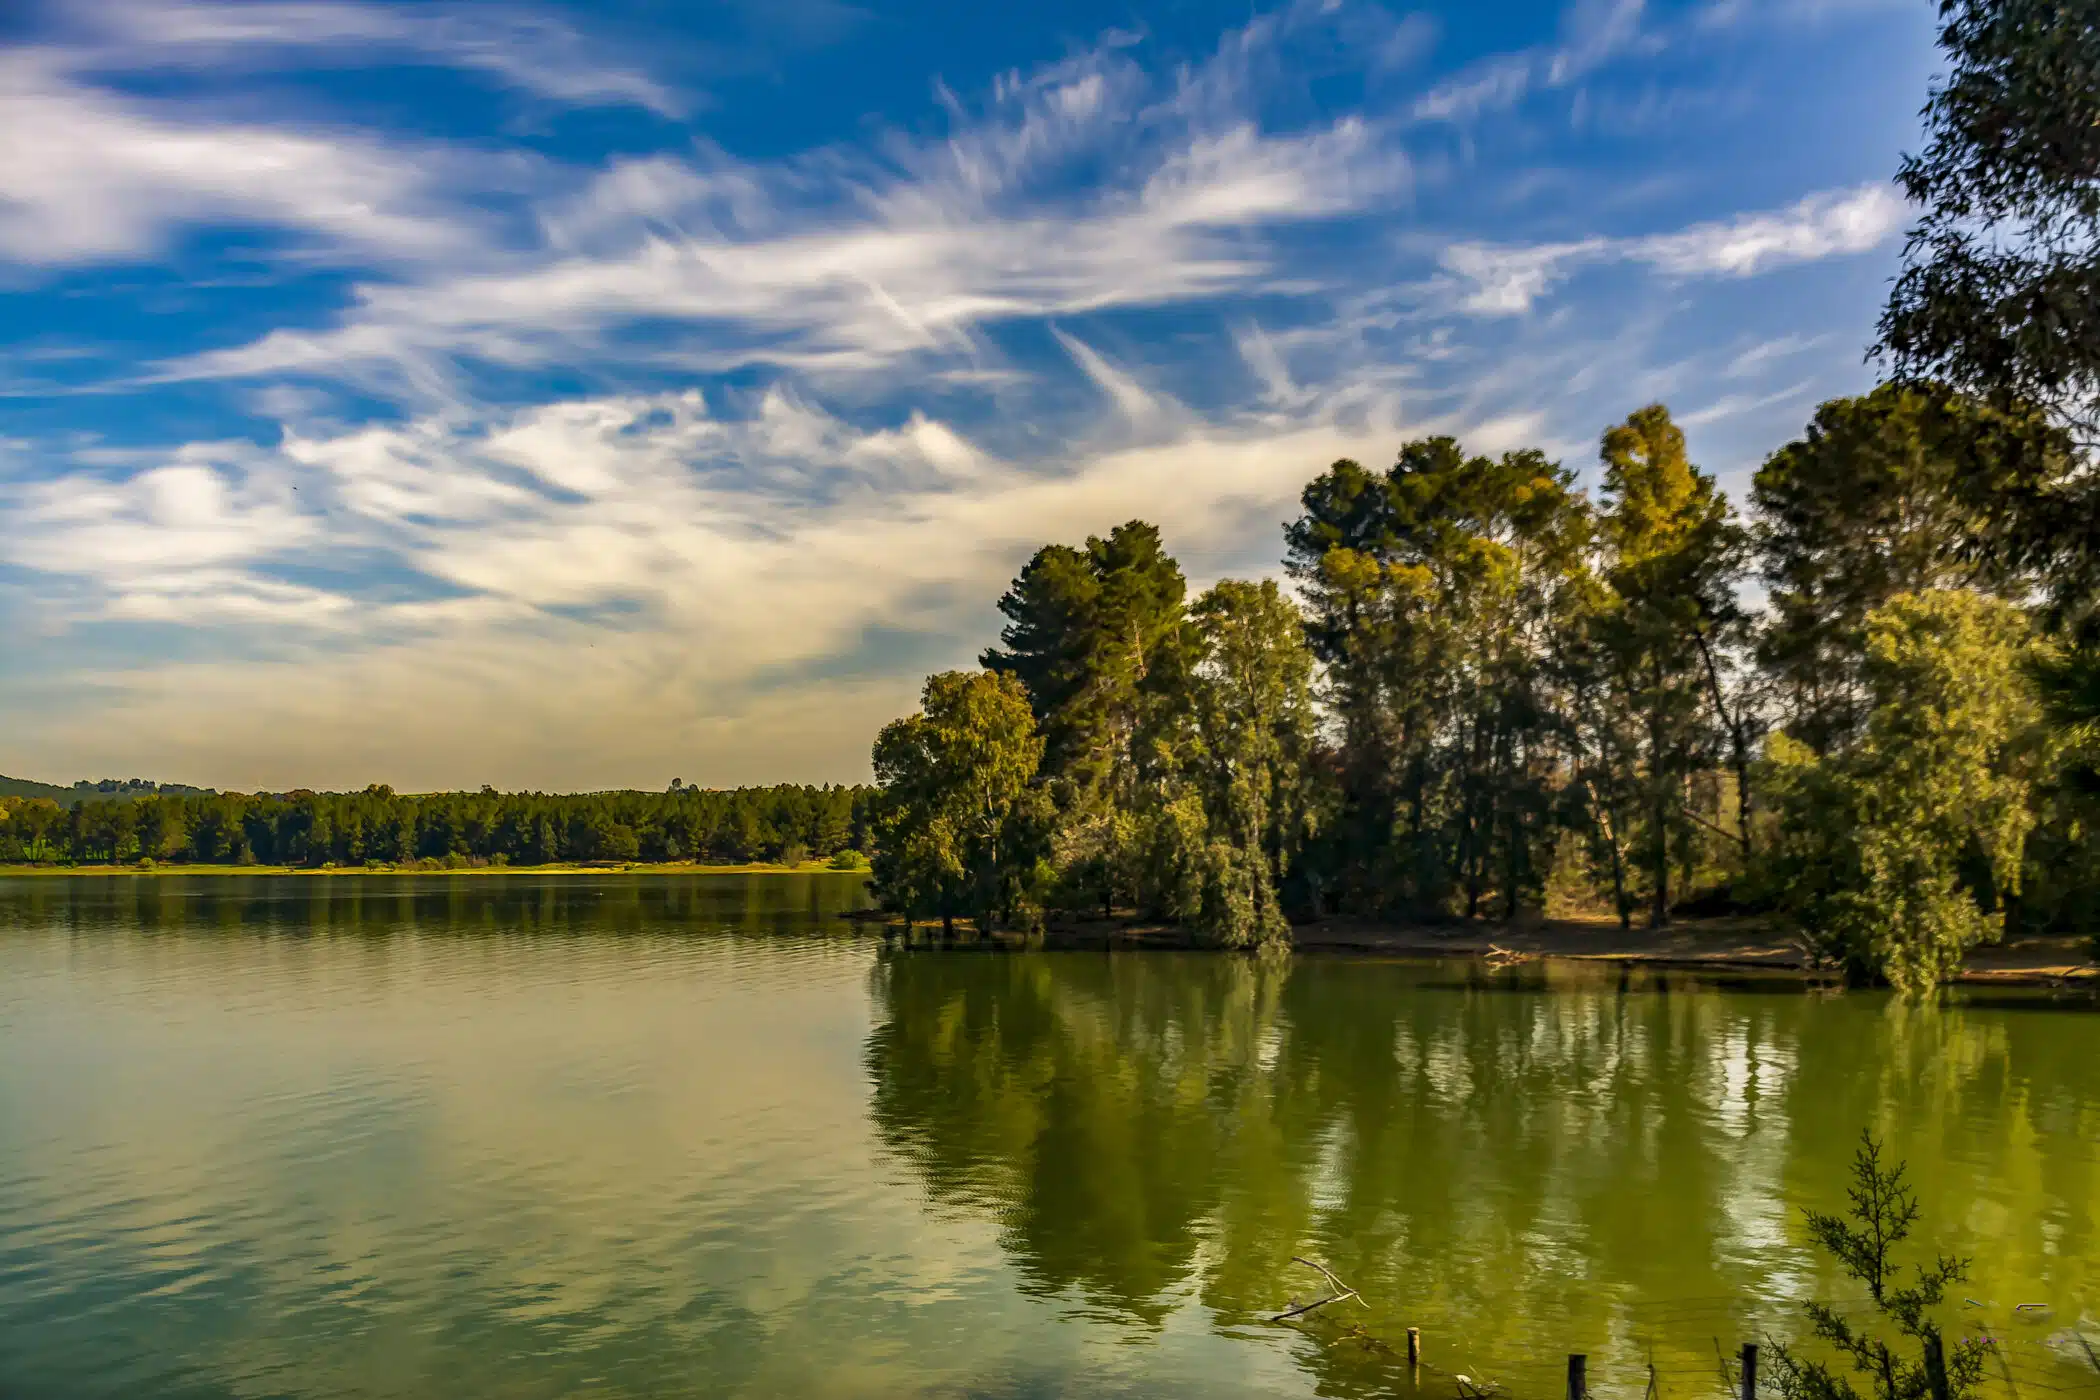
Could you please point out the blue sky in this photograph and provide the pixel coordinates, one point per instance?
(576, 397)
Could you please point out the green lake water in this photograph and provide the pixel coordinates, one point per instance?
(665, 1136)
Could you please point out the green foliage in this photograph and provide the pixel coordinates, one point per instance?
(1671, 559)
(1898, 491)
(380, 826)
(1098, 639)
(2001, 275)
(1883, 1210)
(1252, 702)
(958, 820)
(1435, 593)
(86, 791)
(1093, 636)
(2002, 272)
(1898, 856)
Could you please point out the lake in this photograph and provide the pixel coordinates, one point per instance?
(648, 1135)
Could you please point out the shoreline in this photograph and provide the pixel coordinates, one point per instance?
(1718, 945)
(1724, 944)
(336, 871)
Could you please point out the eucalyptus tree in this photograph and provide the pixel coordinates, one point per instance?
(2001, 275)
(2000, 289)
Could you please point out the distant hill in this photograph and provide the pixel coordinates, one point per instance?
(84, 791)
(22, 787)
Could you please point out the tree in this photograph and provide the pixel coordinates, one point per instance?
(1254, 717)
(1893, 492)
(1339, 551)
(1434, 591)
(1666, 630)
(1087, 631)
(1098, 637)
(958, 821)
(1901, 855)
(1883, 1210)
(2001, 274)
(2000, 289)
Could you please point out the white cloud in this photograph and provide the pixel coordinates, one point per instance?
(94, 172)
(1593, 32)
(91, 177)
(1760, 356)
(1736, 405)
(1821, 226)
(1505, 279)
(208, 507)
(532, 51)
(840, 263)
(811, 536)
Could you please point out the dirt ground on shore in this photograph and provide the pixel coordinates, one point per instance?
(1737, 943)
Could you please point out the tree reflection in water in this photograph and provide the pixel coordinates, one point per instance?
(1568, 1159)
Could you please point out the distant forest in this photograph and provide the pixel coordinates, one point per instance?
(379, 827)
(86, 791)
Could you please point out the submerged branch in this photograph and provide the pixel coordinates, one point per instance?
(1341, 1291)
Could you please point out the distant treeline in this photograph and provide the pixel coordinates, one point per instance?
(85, 791)
(379, 826)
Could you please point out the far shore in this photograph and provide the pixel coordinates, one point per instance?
(149, 872)
(1741, 943)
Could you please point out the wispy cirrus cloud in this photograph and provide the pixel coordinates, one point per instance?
(606, 526)
(1500, 279)
(93, 177)
(532, 51)
(94, 171)
(1593, 32)
(587, 463)
(839, 262)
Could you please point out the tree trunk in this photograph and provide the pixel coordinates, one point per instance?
(1660, 917)
(1739, 748)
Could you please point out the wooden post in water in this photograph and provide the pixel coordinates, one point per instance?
(1578, 1381)
(1935, 1366)
(1414, 1349)
(1749, 1371)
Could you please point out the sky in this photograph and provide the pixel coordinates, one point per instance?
(571, 398)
